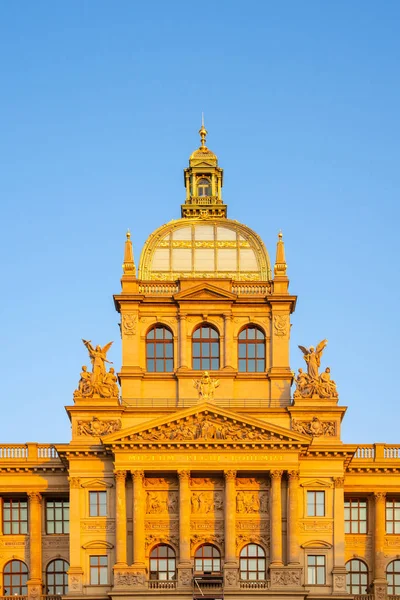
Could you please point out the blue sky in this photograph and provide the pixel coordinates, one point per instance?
(100, 104)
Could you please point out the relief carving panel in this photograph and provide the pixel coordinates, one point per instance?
(163, 501)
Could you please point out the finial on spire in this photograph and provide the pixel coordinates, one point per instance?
(280, 262)
(129, 264)
(203, 132)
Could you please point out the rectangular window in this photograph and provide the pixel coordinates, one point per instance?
(315, 504)
(316, 570)
(355, 515)
(393, 515)
(98, 570)
(15, 516)
(98, 504)
(57, 516)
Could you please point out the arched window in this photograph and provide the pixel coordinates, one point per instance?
(251, 350)
(163, 563)
(57, 578)
(15, 576)
(160, 350)
(393, 578)
(205, 348)
(252, 563)
(204, 187)
(357, 577)
(207, 559)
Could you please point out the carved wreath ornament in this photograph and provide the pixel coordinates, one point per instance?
(204, 427)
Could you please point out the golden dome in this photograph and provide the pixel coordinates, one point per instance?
(215, 248)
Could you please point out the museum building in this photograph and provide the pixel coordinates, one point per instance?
(197, 472)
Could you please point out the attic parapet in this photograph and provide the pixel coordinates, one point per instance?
(29, 452)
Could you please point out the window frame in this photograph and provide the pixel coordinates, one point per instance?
(314, 504)
(170, 556)
(316, 569)
(23, 524)
(209, 341)
(393, 521)
(245, 343)
(361, 586)
(199, 185)
(244, 572)
(97, 505)
(22, 586)
(353, 524)
(54, 586)
(215, 556)
(393, 586)
(98, 569)
(157, 343)
(64, 520)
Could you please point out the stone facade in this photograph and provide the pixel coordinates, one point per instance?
(206, 445)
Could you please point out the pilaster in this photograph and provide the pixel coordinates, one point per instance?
(35, 552)
(183, 342)
(75, 571)
(276, 518)
(230, 565)
(380, 583)
(120, 519)
(293, 516)
(138, 529)
(184, 565)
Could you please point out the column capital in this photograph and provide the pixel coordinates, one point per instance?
(276, 474)
(339, 482)
(120, 475)
(74, 482)
(137, 475)
(293, 475)
(35, 497)
(230, 475)
(184, 475)
(379, 496)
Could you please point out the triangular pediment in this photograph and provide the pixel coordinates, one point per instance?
(205, 291)
(316, 483)
(207, 425)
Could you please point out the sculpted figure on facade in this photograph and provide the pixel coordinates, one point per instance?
(161, 502)
(99, 381)
(206, 386)
(206, 502)
(315, 427)
(95, 427)
(312, 384)
(251, 502)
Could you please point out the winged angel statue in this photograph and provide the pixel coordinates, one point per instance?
(99, 381)
(312, 384)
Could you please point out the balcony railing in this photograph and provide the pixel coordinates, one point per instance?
(377, 452)
(188, 402)
(261, 584)
(158, 289)
(158, 584)
(27, 452)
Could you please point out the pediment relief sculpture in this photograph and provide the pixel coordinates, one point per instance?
(205, 427)
(252, 502)
(99, 382)
(315, 427)
(312, 384)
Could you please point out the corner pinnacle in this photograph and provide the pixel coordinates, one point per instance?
(128, 266)
(280, 262)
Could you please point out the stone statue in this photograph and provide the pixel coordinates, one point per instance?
(99, 381)
(98, 360)
(311, 384)
(206, 386)
(313, 358)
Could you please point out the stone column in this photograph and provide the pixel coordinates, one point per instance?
(139, 511)
(339, 570)
(35, 550)
(276, 518)
(75, 571)
(293, 541)
(230, 565)
(120, 519)
(380, 583)
(228, 340)
(184, 565)
(182, 342)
